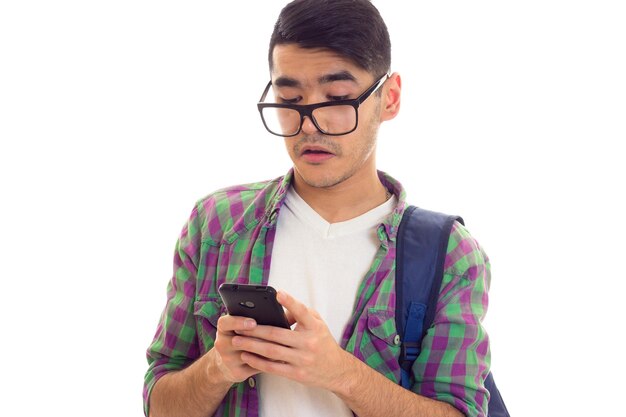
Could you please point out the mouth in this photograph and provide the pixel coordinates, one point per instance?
(316, 154)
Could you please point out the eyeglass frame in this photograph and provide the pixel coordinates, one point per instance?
(307, 109)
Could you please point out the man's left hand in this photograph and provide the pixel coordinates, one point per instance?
(308, 354)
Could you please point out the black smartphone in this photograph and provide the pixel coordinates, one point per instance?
(254, 301)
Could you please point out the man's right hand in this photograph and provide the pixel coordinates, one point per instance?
(199, 389)
(227, 358)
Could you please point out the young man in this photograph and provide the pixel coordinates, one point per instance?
(324, 235)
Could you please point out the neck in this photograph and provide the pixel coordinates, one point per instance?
(346, 200)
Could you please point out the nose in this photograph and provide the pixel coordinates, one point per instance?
(308, 127)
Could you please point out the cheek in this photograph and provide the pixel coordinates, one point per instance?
(289, 147)
(366, 134)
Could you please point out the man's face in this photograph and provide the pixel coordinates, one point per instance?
(308, 76)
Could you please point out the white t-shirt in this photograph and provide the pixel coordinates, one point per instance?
(322, 265)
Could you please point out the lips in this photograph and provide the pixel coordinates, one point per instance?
(316, 154)
(315, 150)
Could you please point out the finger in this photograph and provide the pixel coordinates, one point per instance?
(230, 324)
(269, 350)
(290, 319)
(299, 312)
(273, 334)
(269, 366)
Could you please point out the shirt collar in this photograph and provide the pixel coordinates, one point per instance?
(388, 229)
(392, 222)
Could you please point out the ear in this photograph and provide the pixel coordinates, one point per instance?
(391, 97)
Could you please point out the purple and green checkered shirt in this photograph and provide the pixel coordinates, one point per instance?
(229, 238)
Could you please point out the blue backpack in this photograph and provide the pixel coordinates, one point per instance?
(422, 243)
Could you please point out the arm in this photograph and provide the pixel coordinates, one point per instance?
(454, 360)
(195, 391)
(310, 355)
(175, 345)
(179, 380)
(369, 393)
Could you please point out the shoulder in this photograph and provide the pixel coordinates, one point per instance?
(464, 257)
(223, 214)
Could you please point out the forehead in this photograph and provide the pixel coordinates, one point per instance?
(309, 66)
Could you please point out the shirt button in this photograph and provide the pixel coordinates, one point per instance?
(251, 382)
(396, 340)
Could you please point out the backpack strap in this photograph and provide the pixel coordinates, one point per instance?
(420, 255)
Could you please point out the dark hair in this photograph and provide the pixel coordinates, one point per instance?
(352, 28)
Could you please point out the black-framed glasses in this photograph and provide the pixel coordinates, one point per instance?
(333, 118)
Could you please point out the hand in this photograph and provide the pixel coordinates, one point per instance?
(227, 358)
(308, 354)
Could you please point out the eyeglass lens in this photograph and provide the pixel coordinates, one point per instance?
(330, 119)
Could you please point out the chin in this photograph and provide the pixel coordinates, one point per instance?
(322, 179)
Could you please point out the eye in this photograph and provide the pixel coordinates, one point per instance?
(338, 98)
(288, 100)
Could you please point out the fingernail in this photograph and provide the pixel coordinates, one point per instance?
(249, 323)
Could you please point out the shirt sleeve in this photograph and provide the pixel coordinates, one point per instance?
(175, 344)
(455, 358)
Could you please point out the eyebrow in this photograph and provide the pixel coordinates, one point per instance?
(324, 79)
(338, 76)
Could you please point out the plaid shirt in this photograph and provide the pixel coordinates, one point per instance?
(229, 238)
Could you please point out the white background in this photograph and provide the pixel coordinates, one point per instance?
(115, 117)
